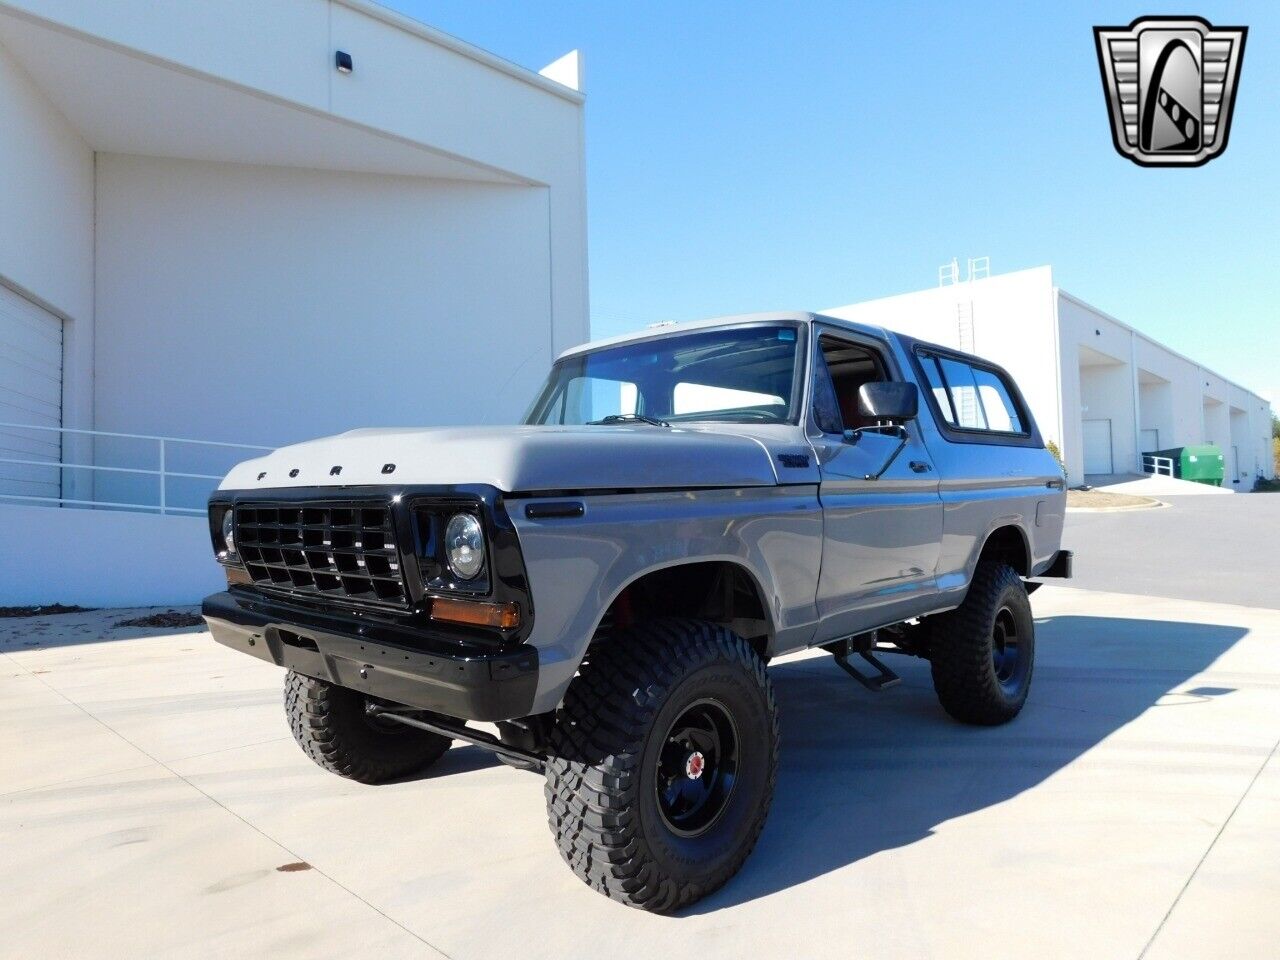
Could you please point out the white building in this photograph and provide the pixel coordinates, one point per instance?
(210, 231)
(1104, 392)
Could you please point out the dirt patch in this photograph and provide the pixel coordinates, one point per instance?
(1101, 500)
(170, 619)
(44, 611)
(293, 867)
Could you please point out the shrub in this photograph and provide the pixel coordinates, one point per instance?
(1057, 455)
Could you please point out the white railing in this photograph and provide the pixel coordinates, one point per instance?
(165, 446)
(1158, 465)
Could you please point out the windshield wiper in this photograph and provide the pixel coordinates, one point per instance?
(627, 418)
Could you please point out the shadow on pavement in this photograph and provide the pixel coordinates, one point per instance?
(863, 773)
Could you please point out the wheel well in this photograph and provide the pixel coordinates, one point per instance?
(718, 591)
(1008, 545)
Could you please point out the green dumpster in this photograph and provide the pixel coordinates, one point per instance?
(1200, 463)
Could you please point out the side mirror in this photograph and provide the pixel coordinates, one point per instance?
(895, 402)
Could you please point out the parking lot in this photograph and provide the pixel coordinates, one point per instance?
(154, 803)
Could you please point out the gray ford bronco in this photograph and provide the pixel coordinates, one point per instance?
(604, 585)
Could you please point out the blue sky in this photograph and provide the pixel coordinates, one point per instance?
(756, 156)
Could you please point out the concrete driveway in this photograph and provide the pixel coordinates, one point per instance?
(1221, 549)
(154, 805)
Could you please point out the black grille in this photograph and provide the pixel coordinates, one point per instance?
(327, 548)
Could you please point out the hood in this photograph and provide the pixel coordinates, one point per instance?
(516, 459)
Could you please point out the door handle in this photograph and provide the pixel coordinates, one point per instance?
(1054, 484)
(919, 466)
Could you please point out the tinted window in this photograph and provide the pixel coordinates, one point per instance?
(970, 396)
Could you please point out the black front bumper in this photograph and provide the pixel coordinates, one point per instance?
(403, 664)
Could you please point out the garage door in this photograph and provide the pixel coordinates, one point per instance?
(30, 393)
(1097, 446)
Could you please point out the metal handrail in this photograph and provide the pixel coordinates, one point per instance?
(135, 436)
(163, 472)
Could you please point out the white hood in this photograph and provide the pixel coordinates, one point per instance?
(519, 458)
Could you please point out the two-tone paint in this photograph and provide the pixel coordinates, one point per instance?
(830, 553)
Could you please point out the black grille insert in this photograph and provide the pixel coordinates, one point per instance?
(327, 548)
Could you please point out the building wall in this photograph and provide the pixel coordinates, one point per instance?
(98, 558)
(268, 305)
(1098, 384)
(46, 224)
(1073, 362)
(410, 81)
(1186, 403)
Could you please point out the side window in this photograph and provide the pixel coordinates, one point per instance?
(937, 388)
(964, 394)
(998, 407)
(971, 397)
(826, 412)
(848, 366)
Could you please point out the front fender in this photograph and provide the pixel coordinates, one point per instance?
(578, 562)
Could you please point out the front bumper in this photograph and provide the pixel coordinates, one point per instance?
(402, 664)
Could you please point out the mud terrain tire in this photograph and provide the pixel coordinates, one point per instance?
(662, 763)
(330, 725)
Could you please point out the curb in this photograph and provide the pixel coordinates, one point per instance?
(1155, 505)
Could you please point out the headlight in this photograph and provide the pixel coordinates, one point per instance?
(464, 545)
(229, 531)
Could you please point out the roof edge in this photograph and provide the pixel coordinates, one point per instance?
(416, 27)
(1154, 342)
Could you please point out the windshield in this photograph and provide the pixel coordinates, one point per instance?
(743, 375)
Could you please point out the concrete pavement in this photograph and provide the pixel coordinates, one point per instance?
(151, 795)
(1217, 549)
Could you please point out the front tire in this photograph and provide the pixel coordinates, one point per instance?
(332, 728)
(662, 763)
(983, 652)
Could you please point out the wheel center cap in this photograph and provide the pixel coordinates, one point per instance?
(694, 766)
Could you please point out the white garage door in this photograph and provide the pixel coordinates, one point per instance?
(1097, 446)
(30, 393)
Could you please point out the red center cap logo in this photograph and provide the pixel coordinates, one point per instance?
(694, 766)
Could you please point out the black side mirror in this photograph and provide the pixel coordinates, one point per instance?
(895, 402)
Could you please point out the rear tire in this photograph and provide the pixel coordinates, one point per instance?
(662, 763)
(330, 725)
(983, 652)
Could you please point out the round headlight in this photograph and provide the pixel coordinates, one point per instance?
(229, 531)
(464, 545)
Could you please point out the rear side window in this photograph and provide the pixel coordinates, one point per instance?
(972, 397)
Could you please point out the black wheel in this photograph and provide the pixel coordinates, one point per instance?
(662, 763)
(331, 726)
(983, 652)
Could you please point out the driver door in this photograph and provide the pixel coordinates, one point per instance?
(881, 538)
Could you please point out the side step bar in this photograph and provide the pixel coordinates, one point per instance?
(881, 679)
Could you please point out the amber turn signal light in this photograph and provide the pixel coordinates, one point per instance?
(505, 616)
